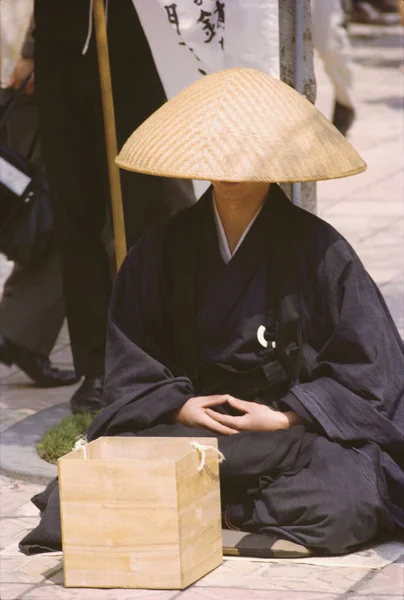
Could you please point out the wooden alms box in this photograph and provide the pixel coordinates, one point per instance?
(137, 513)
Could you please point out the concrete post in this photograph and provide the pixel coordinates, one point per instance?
(287, 36)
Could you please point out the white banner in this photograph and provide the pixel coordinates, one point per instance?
(189, 38)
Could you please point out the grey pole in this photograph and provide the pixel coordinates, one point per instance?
(297, 70)
(299, 50)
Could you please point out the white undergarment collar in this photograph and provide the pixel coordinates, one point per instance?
(223, 244)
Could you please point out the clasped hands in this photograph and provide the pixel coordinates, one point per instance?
(197, 412)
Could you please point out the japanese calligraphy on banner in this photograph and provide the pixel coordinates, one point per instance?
(190, 38)
(200, 27)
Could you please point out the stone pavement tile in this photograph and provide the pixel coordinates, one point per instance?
(15, 569)
(374, 119)
(49, 591)
(19, 392)
(344, 188)
(388, 581)
(29, 569)
(14, 529)
(375, 597)
(46, 572)
(386, 237)
(374, 556)
(292, 577)
(384, 164)
(15, 404)
(231, 593)
(62, 358)
(9, 547)
(15, 494)
(63, 337)
(20, 399)
(6, 371)
(13, 548)
(384, 266)
(12, 591)
(393, 293)
(348, 229)
(10, 564)
(13, 418)
(42, 567)
(365, 204)
(370, 127)
(377, 239)
(61, 350)
(15, 378)
(366, 217)
(357, 225)
(57, 578)
(28, 509)
(387, 190)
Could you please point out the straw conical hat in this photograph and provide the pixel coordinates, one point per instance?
(240, 125)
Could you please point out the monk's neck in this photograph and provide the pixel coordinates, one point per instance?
(237, 204)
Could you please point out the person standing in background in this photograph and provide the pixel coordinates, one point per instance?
(374, 12)
(32, 306)
(330, 39)
(400, 8)
(72, 129)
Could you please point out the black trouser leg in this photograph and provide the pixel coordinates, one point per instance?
(73, 139)
(32, 307)
(73, 144)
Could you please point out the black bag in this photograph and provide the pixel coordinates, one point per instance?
(26, 219)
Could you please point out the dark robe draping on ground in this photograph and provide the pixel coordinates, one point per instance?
(183, 324)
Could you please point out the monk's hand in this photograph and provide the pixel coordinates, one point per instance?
(194, 413)
(256, 417)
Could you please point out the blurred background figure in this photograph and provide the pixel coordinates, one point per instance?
(374, 12)
(400, 8)
(73, 140)
(330, 39)
(32, 307)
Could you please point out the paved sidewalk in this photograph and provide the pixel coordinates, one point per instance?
(369, 210)
(376, 574)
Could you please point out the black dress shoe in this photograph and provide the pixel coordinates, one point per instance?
(343, 117)
(36, 366)
(89, 396)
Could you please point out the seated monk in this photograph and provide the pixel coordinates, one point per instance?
(249, 319)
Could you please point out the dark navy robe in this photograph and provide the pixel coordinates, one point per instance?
(183, 324)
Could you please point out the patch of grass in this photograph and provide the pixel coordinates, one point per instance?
(60, 439)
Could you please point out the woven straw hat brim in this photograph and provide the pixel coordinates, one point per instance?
(240, 125)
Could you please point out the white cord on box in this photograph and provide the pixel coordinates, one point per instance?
(202, 449)
(81, 443)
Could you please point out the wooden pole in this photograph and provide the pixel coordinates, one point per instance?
(110, 131)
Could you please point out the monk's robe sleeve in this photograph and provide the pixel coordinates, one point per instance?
(140, 389)
(356, 382)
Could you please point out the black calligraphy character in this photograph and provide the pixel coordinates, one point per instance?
(220, 14)
(221, 42)
(198, 2)
(172, 16)
(208, 27)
